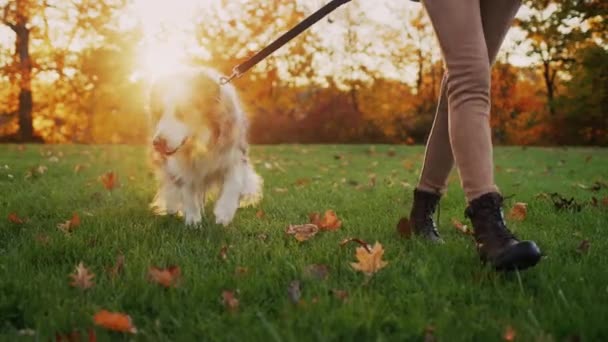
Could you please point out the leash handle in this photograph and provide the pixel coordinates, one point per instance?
(242, 68)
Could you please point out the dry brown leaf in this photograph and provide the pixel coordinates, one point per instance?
(369, 262)
(42, 239)
(230, 301)
(166, 277)
(340, 294)
(357, 240)
(14, 218)
(404, 228)
(463, 228)
(78, 168)
(302, 181)
(69, 225)
(509, 334)
(109, 180)
(330, 220)
(223, 255)
(260, 214)
(75, 336)
(241, 271)
(280, 190)
(429, 334)
(82, 277)
(518, 211)
(115, 270)
(583, 247)
(317, 271)
(302, 232)
(114, 321)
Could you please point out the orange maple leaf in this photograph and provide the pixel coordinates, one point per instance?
(166, 277)
(330, 220)
(14, 218)
(461, 227)
(69, 225)
(109, 180)
(519, 211)
(82, 277)
(115, 321)
(369, 262)
(509, 334)
(230, 301)
(302, 232)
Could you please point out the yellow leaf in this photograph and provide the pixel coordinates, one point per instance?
(369, 262)
(519, 211)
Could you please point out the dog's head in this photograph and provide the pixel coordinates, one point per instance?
(183, 109)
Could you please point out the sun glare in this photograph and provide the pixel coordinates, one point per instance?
(168, 36)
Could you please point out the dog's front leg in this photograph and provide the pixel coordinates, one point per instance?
(191, 205)
(227, 204)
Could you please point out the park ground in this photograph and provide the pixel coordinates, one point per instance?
(251, 281)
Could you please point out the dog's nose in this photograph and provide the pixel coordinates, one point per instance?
(160, 144)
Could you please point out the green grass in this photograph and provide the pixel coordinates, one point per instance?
(444, 287)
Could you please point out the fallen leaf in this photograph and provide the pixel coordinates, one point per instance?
(588, 159)
(109, 180)
(75, 336)
(294, 291)
(241, 271)
(461, 227)
(230, 301)
(260, 214)
(302, 232)
(562, 203)
(42, 239)
(583, 247)
(262, 237)
(69, 225)
(114, 321)
(605, 201)
(330, 220)
(302, 181)
(391, 152)
(369, 262)
(115, 270)
(166, 277)
(404, 228)
(518, 211)
(317, 271)
(429, 334)
(340, 294)
(78, 168)
(280, 190)
(509, 334)
(14, 218)
(224, 252)
(82, 277)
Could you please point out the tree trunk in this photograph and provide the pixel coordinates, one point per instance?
(550, 87)
(26, 128)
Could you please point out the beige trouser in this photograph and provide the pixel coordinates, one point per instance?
(470, 33)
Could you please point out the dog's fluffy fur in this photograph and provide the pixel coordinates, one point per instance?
(199, 134)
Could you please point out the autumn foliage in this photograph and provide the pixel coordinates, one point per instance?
(382, 80)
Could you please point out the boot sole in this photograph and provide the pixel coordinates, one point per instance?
(519, 257)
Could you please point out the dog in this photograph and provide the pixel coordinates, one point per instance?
(199, 147)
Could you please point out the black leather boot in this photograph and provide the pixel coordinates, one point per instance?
(495, 243)
(421, 216)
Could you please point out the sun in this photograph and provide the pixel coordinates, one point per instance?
(168, 35)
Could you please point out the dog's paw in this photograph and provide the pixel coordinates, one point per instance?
(193, 219)
(223, 216)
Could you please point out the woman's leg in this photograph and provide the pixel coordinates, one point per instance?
(459, 29)
(438, 159)
(496, 18)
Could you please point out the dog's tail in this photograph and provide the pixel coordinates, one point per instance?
(253, 186)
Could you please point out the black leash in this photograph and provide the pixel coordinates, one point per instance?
(242, 68)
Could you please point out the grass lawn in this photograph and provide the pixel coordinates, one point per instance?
(440, 291)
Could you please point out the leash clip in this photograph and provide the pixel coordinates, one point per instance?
(235, 74)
